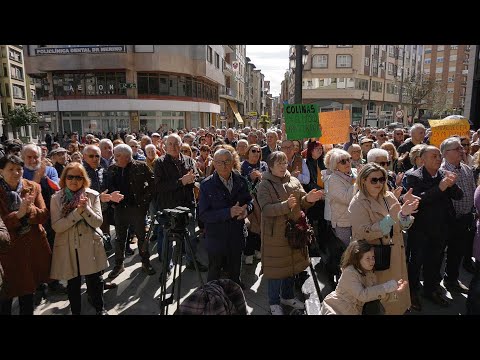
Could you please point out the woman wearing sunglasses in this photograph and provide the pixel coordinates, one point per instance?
(382, 158)
(78, 250)
(376, 215)
(339, 192)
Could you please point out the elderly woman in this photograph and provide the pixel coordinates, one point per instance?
(382, 158)
(78, 250)
(26, 262)
(340, 192)
(4, 244)
(281, 197)
(355, 152)
(393, 156)
(252, 169)
(417, 162)
(204, 159)
(377, 217)
(76, 157)
(151, 154)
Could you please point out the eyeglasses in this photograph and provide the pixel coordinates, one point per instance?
(75, 177)
(93, 156)
(380, 180)
(224, 163)
(381, 135)
(383, 163)
(255, 151)
(344, 161)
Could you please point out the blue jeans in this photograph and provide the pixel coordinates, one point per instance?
(275, 286)
(162, 233)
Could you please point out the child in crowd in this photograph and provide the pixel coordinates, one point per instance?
(358, 283)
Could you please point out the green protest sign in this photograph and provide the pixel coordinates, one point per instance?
(301, 121)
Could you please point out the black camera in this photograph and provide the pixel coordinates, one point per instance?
(174, 219)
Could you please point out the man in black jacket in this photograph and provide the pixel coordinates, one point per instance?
(134, 180)
(428, 234)
(175, 176)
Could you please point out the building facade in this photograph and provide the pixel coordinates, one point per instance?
(15, 89)
(113, 88)
(232, 94)
(365, 79)
(448, 66)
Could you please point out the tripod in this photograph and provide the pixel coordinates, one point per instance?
(181, 237)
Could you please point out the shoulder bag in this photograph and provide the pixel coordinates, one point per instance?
(298, 233)
(383, 252)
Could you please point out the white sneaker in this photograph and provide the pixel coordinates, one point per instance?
(249, 260)
(294, 303)
(276, 310)
(258, 255)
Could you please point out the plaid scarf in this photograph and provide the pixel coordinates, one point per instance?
(70, 200)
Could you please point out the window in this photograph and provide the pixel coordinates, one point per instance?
(344, 61)
(367, 61)
(453, 57)
(439, 70)
(320, 46)
(440, 47)
(451, 79)
(361, 84)
(16, 72)
(391, 51)
(320, 61)
(217, 61)
(390, 68)
(449, 90)
(426, 71)
(440, 59)
(428, 51)
(377, 86)
(344, 46)
(427, 61)
(454, 47)
(209, 54)
(18, 92)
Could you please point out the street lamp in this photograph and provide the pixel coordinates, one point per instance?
(299, 58)
(362, 101)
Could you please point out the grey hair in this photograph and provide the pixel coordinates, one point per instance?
(123, 149)
(176, 136)
(220, 152)
(128, 138)
(416, 126)
(105, 141)
(242, 141)
(33, 147)
(150, 146)
(91, 147)
(376, 153)
(447, 144)
(335, 156)
(270, 131)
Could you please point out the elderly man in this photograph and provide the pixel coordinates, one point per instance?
(417, 133)
(381, 137)
(242, 147)
(366, 144)
(429, 233)
(230, 140)
(175, 175)
(224, 204)
(271, 146)
(134, 180)
(106, 150)
(296, 165)
(460, 239)
(59, 159)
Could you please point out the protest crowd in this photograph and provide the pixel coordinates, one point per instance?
(245, 190)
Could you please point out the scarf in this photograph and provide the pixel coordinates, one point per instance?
(345, 177)
(70, 200)
(13, 196)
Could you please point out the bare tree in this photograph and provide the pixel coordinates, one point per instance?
(417, 90)
(438, 101)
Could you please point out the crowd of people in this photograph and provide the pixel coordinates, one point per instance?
(59, 200)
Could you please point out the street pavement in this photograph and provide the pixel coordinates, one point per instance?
(137, 292)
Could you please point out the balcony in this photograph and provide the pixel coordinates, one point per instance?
(226, 91)
(229, 48)
(228, 68)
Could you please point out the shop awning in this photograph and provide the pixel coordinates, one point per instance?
(234, 107)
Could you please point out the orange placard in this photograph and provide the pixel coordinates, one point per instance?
(335, 126)
(443, 129)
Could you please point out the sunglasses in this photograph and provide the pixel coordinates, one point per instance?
(255, 151)
(344, 161)
(94, 156)
(384, 163)
(74, 177)
(381, 135)
(380, 180)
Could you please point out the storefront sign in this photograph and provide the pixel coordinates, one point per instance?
(128, 86)
(99, 49)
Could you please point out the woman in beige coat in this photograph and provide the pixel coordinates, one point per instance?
(376, 215)
(280, 263)
(78, 249)
(358, 283)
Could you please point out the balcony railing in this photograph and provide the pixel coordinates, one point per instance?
(228, 68)
(227, 91)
